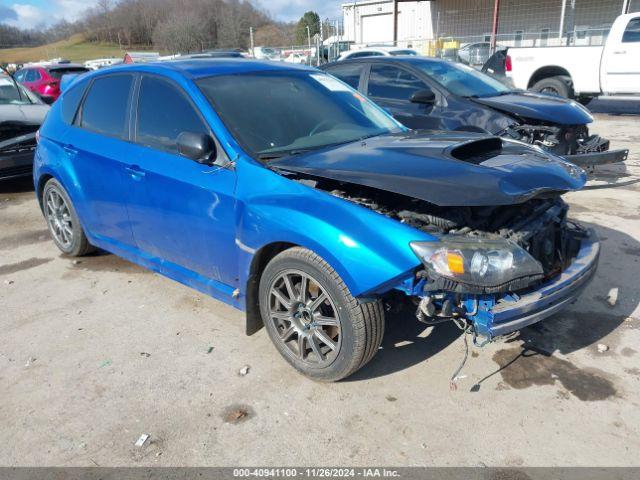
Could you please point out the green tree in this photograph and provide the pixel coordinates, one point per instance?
(310, 19)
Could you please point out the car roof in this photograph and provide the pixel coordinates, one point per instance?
(405, 59)
(206, 67)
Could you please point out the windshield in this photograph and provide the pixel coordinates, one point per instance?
(462, 80)
(9, 94)
(403, 52)
(57, 73)
(273, 114)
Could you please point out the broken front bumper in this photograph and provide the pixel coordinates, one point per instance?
(514, 312)
(598, 158)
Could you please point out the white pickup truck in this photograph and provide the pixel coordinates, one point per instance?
(582, 71)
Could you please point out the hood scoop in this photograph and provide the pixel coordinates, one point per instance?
(478, 151)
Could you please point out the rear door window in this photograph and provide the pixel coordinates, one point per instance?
(348, 73)
(161, 122)
(105, 107)
(386, 81)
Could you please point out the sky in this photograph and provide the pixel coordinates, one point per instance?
(33, 13)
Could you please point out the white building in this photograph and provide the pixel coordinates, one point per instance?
(524, 23)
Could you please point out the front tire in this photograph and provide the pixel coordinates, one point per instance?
(555, 86)
(63, 222)
(314, 321)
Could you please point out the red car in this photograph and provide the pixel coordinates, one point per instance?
(45, 80)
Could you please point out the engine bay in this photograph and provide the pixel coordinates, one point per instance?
(539, 225)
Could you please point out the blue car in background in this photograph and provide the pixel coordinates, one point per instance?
(429, 93)
(284, 192)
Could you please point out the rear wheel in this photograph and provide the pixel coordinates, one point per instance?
(63, 221)
(555, 86)
(313, 320)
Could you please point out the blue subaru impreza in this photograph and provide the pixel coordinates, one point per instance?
(284, 192)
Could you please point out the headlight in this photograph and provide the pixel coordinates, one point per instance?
(477, 262)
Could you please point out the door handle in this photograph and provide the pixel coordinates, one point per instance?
(620, 52)
(135, 171)
(70, 150)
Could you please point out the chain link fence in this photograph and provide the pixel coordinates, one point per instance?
(443, 27)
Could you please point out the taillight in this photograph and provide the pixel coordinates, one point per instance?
(507, 64)
(37, 136)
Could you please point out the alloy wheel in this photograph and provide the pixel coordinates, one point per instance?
(550, 90)
(305, 318)
(59, 218)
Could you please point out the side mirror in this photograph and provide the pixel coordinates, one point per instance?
(196, 146)
(426, 97)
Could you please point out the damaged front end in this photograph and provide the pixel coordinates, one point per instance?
(499, 253)
(499, 268)
(571, 142)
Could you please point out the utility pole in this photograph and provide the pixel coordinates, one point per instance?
(253, 51)
(496, 21)
(309, 38)
(395, 23)
(571, 21)
(321, 40)
(625, 6)
(561, 28)
(355, 4)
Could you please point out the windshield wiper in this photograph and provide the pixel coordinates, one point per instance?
(280, 154)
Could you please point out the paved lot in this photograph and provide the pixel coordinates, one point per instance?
(95, 353)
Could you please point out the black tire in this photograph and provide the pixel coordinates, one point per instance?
(78, 245)
(554, 85)
(361, 324)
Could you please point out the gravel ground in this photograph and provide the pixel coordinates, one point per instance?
(94, 353)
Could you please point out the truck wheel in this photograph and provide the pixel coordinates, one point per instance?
(63, 221)
(314, 321)
(554, 86)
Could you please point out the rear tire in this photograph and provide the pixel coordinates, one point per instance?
(63, 222)
(302, 325)
(555, 86)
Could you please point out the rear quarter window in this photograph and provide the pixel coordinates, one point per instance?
(105, 108)
(71, 101)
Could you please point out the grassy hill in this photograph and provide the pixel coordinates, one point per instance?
(75, 48)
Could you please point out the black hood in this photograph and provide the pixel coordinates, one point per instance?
(445, 169)
(537, 106)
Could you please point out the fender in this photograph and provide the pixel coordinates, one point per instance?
(374, 252)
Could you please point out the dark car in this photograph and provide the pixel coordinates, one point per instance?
(284, 192)
(45, 80)
(21, 114)
(428, 93)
